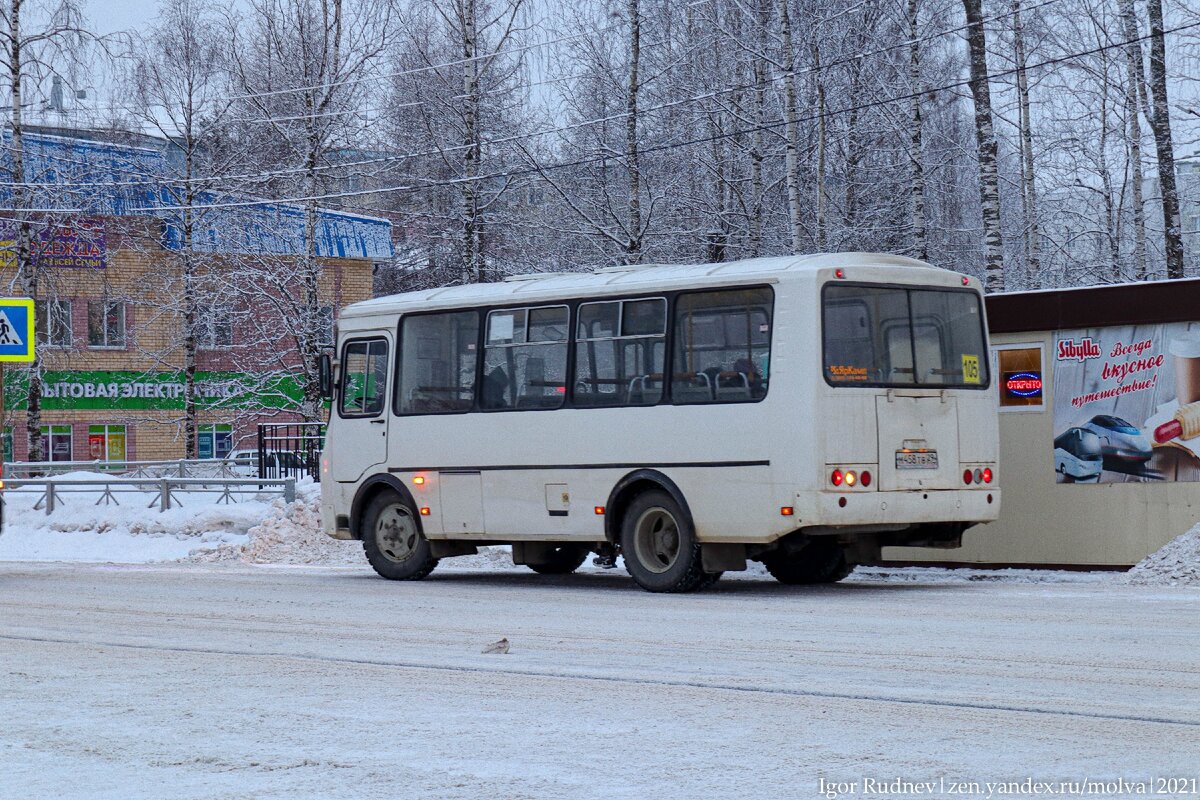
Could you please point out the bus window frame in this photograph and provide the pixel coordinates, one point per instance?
(621, 300)
(340, 386)
(398, 365)
(985, 357)
(572, 303)
(674, 311)
(481, 365)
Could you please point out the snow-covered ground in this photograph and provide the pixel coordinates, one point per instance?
(233, 681)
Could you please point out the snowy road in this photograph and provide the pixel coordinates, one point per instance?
(155, 682)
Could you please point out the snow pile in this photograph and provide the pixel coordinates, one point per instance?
(287, 533)
(85, 528)
(1177, 563)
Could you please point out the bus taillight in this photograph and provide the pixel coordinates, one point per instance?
(987, 474)
(836, 478)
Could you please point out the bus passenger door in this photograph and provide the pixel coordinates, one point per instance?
(461, 495)
(361, 410)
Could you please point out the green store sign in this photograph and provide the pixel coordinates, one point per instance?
(70, 390)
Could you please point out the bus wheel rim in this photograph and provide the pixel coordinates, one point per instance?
(396, 533)
(656, 540)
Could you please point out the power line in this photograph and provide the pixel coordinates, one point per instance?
(673, 145)
(442, 151)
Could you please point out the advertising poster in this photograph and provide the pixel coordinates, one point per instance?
(1127, 403)
(77, 244)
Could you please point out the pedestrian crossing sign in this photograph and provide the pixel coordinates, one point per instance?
(16, 329)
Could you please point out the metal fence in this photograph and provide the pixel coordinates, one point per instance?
(166, 491)
(290, 449)
(178, 468)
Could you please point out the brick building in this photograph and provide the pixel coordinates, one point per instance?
(109, 311)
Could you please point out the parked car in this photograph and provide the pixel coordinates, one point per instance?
(1078, 454)
(1123, 444)
(277, 465)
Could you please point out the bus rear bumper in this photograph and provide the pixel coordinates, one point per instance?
(899, 508)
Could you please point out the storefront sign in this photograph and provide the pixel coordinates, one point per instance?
(1127, 403)
(1023, 384)
(79, 244)
(69, 390)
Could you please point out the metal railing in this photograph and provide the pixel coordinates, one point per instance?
(165, 490)
(290, 449)
(178, 467)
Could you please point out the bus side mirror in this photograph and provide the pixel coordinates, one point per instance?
(325, 376)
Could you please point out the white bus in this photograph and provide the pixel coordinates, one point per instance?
(802, 412)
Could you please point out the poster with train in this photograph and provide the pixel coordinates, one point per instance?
(1127, 403)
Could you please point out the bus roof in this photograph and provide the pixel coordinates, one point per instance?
(638, 278)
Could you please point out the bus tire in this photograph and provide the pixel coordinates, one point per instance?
(563, 559)
(393, 541)
(821, 561)
(659, 546)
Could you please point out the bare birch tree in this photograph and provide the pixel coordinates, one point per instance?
(302, 67)
(989, 178)
(179, 85)
(1160, 127)
(36, 39)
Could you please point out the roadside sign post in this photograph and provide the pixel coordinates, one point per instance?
(16, 343)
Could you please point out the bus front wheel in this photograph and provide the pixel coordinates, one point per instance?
(820, 561)
(659, 546)
(393, 541)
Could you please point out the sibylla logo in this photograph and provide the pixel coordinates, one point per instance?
(1070, 351)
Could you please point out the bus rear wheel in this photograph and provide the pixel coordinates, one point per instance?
(820, 561)
(659, 546)
(563, 559)
(393, 542)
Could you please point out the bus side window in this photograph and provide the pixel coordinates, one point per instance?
(525, 358)
(619, 352)
(438, 353)
(722, 346)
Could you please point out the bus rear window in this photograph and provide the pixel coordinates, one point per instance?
(897, 336)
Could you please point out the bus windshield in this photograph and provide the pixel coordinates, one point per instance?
(901, 336)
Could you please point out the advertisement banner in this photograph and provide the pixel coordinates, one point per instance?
(1127, 403)
(77, 389)
(77, 244)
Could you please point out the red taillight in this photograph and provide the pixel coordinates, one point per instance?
(865, 478)
(840, 273)
(967, 477)
(987, 474)
(836, 478)
(966, 281)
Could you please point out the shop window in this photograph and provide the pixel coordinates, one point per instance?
(56, 442)
(53, 320)
(106, 323)
(1020, 371)
(106, 442)
(214, 441)
(214, 329)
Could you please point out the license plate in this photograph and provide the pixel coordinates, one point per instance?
(925, 460)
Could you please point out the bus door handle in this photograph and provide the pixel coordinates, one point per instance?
(378, 421)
